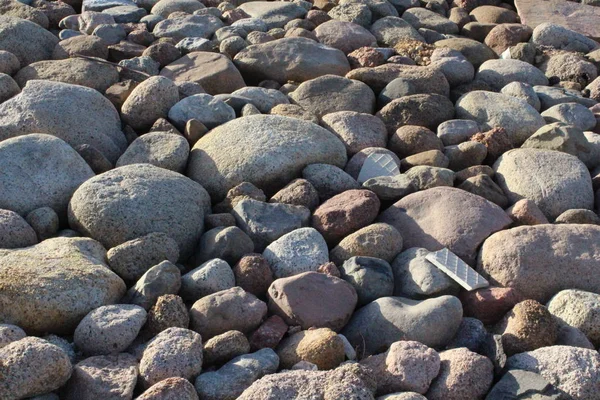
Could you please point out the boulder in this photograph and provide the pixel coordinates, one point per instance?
(15, 232)
(16, 36)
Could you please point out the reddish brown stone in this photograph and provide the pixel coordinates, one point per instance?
(329, 269)
(253, 274)
(504, 36)
(526, 212)
(345, 213)
(170, 389)
(496, 141)
(366, 57)
(489, 304)
(269, 334)
(234, 15)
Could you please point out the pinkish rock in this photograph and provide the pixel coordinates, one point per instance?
(312, 299)
(406, 366)
(365, 57)
(503, 36)
(526, 212)
(253, 274)
(345, 213)
(489, 304)
(329, 269)
(170, 389)
(446, 217)
(269, 334)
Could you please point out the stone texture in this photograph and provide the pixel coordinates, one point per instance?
(170, 389)
(222, 348)
(15, 232)
(321, 346)
(16, 32)
(375, 240)
(579, 309)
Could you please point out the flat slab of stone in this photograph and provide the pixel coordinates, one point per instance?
(578, 17)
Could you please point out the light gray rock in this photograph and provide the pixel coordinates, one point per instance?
(132, 259)
(9, 63)
(272, 60)
(211, 277)
(561, 38)
(15, 37)
(524, 383)
(328, 180)
(522, 91)
(151, 199)
(572, 369)
(265, 150)
(274, 15)
(532, 174)
(150, 100)
(205, 108)
(170, 389)
(344, 36)
(160, 149)
(264, 99)
(15, 232)
(10, 333)
(390, 30)
(456, 131)
(299, 251)
(202, 26)
(8, 87)
(423, 18)
(32, 366)
(386, 320)
(229, 381)
(357, 131)
(44, 222)
(228, 243)
(417, 278)
(579, 309)
(106, 377)
(264, 222)
(541, 260)
(109, 329)
(424, 177)
(376, 240)
(550, 96)
(455, 67)
(489, 109)
(86, 117)
(572, 114)
(371, 277)
(175, 352)
(390, 188)
(231, 309)
(34, 294)
(499, 73)
(166, 7)
(164, 278)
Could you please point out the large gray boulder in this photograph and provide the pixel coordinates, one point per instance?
(290, 59)
(26, 40)
(446, 217)
(39, 171)
(76, 114)
(266, 150)
(433, 322)
(135, 200)
(541, 260)
(553, 180)
(491, 110)
(36, 295)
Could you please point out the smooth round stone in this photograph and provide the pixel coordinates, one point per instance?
(562, 38)
(328, 180)
(424, 18)
(151, 199)
(579, 309)
(477, 53)
(264, 99)
(149, 101)
(203, 26)
(371, 277)
(408, 110)
(160, 280)
(9, 63)
(171, 388)
(15, 34)
(344, 36)
(164, 150)
(210, 277)
(456, 131)
(202, 107)
(499, 73)
(321, 347)
(15, 232)
(571, 114)
(391, 30)
(224, 347)
(532, 174)
(376, 240)
(266, 150)
(522, 91)
(356, 130)
(455, 67)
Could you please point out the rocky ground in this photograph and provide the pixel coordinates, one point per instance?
(181, 214)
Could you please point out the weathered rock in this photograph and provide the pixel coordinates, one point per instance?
(170, 389)
(16, 34)
(386, 320)
(224, 347)
(489, 304)
(177, 206)
(328, 180)
(264, 150)
(371, 277)
(203, 26)
(168, 312)
(375, 240)
(321, 346)
(57, 305)
(465, 221)
(210, 277)
(579, 309)
(517, 383)
(10, 333)
(161, 279)
(541, 260)
(344, 36)
(149, 101)
(15, 232)
(160, 149)
(356, 130)
(408, 110)
(227, 243)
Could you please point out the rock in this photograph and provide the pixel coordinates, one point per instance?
(477, 53)
(264, 222)
(471, 334)
(269, 333)
(389, 31)
(345, 213)
(103, 377)
(109, 329)
(176, 203)
(32, 366)
(298, 192)
(299, 251)
(526, 258)
(499, 73)
(203, 26)
(465, 155)
(298, 300)
(571, 369)
(40, 170)
(376, 240)
(522, 91)
(9, 63)
(16, 32)
(570, 67)
(164, 278)
(10, 333)
(390, 188)
(423, 18)
(410, 140)
(160, 149)
(231, 309)
(554, 191)
(170, 389)
(526, 212)
(133, 258)
(557, 31)
(227, 243)
(524, 383)
(224, 347)
(229, 381)
(205, 108)
(571, 114)
(273, 15)
(490, 109)
(271, 60)
(344, 36)
(168, 312)
(505, 36)
(15, 232)
(551, 96)
(564, 138)
(175, 352)
(165, 7)
(148, 102)
(579, 309)
(328, 180)
(456, 131)
(371, 277)
(346, 381)
(407, 110)
(253, 274)
(433, 322)
(8, 87)
(82, 111)
(354, 13)
(321, 346)
(268, 153)
(214, 72)
(463, 375)
(578, 216)
(467, 220)
(482, 185)
(405, 366)
(356, 130)
(330, 93)
(211, 277)
(24, 299)
(489, 304)
(417, 278)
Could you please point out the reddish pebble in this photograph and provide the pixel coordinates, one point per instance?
(489, 304)
(269, 334)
